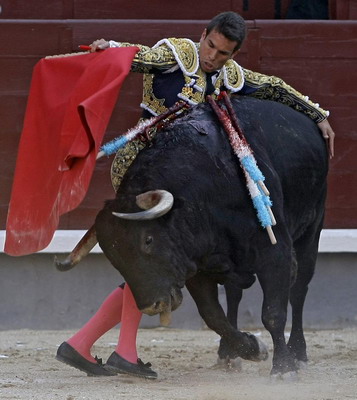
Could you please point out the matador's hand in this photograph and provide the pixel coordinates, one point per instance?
(100, 44)
(328, 134)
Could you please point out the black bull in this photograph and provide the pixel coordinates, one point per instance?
(212, 235)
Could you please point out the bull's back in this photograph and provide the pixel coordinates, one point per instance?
(288, 137)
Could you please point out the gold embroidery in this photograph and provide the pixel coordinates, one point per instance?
(150, 101)
(125, 157)
(122, 161)
(186, 54)
(234, 75)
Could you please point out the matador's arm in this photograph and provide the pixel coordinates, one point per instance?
(273, 88)
(146, 60)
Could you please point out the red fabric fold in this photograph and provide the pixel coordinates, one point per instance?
(69, 106)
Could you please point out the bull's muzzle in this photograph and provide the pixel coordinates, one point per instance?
(164, 306)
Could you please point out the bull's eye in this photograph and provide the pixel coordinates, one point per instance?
(148, 240)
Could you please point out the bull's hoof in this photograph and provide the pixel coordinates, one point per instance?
(263, 350)
(244, 345)
(291, 376)
(229, 364)
(284, 368)
(301, 364)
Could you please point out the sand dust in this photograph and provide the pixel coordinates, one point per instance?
(185, 361)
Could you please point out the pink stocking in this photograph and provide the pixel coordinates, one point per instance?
(108, 315)
(131, 317)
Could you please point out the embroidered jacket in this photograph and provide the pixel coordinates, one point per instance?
(171, 72)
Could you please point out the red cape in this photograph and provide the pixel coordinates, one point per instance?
(70, 103)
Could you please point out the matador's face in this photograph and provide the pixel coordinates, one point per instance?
(215, 50)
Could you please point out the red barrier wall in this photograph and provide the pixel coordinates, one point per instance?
(138, 9)
(316, 57)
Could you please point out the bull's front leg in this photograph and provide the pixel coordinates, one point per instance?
(205, 294)
(233, 297)
(275, 284)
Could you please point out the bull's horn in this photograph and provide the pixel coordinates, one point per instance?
(165, 318)
(155, 202)
(84, 246)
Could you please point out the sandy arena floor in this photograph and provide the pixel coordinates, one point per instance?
(185, 361)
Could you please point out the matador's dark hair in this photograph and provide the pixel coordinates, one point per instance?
(229, 24)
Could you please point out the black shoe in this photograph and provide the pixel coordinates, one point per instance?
(119, 365)
(68, 355)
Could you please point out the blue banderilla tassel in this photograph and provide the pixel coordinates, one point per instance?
(114, 145)
(119, 142)
(251, 167)
(259, 203)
